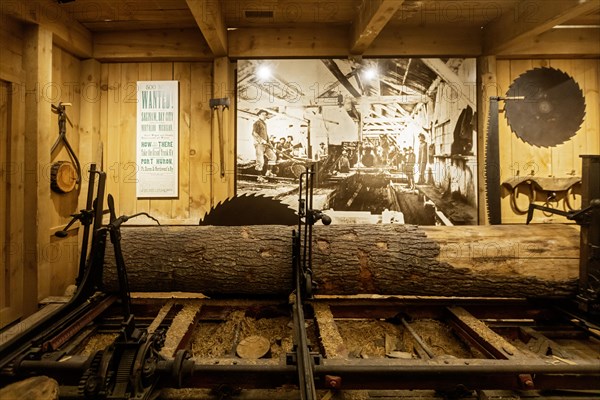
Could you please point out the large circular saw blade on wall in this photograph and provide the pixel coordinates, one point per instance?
(552, 110)
(250, 210)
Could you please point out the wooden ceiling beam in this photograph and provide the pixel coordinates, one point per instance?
(151, 45)
(529, 19)
(331, 41)
(582, 42)
(373, 16)
(67, 32)
(413, 41)
(313, 42)
(209, 17)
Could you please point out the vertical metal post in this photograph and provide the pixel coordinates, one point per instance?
(86, 222)
(589, 260)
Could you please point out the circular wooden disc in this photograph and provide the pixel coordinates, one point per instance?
(63, 177)
(253, 347)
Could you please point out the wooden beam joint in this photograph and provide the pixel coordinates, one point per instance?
(372, 17)
(209, 17)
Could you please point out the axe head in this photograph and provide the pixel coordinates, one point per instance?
(223, 102)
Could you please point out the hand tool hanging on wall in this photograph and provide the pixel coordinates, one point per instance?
(553, 108)
(63, 178)
(217, 106)
(492, 162)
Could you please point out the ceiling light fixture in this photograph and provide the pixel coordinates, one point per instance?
(370, 73)
(263, 72)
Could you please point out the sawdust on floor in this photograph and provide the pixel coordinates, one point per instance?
(439, 337)
(98, 341)
(219, 339)
(366, 338)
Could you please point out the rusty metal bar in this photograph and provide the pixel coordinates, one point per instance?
(68, 333)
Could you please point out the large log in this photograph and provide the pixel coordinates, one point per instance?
(535, 261)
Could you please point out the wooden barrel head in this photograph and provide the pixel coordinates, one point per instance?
(63, 177)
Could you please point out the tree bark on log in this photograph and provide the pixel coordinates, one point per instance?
(533, 261)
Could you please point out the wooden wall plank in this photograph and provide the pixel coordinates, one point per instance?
(5, 285)
(144, 74)
(200, 141)
(11, 170)
(89, 123)
(113, 135)
(104, 95)
(592, 99)
(11, 203)
(151, 45)
(90, 114)
(17, 208)
(223, 87)
(127, 134)
(11, 50)
(505, 164)
(37, 63)
(181, 206)
(67, 265)
(161, 208)
(562, 156)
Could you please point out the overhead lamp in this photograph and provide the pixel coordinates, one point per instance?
(370, 73)
(263, 72)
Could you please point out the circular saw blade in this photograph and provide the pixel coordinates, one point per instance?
(250, 210)
(552, 110)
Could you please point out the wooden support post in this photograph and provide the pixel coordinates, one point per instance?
(37, 62)
(89, 122)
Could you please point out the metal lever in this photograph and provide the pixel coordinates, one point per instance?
(577, 215)
(85, 216)
(114, 228)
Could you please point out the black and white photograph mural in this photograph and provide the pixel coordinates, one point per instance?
(392, 140)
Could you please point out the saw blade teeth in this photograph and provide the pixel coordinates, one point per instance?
(250, 209)
(557, 118)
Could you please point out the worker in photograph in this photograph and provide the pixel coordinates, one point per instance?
(409, 167)
(321, 152)
(262, 146)
(422, 159)
(280, 149)
(288, 146)
(343, 164)
(368, 158)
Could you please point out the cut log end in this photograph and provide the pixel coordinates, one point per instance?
(253, 347)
